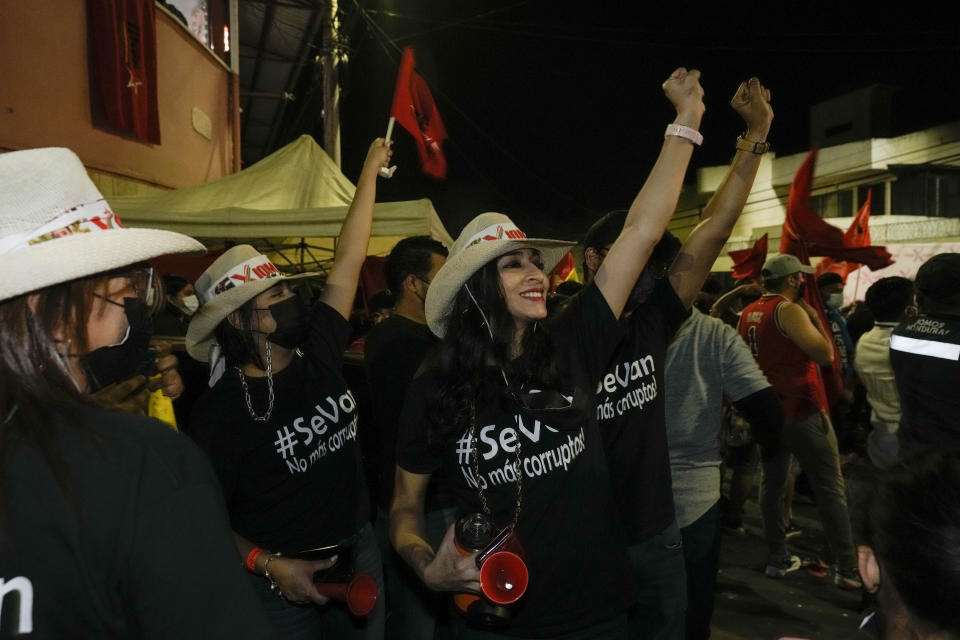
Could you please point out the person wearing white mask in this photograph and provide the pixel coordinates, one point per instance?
(831, 290)
(181, 304)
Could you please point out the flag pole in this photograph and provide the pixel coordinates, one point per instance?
(387, 172)
(390, 129)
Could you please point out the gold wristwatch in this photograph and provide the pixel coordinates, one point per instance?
(758, 148)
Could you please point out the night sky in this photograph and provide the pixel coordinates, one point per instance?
(554, 109)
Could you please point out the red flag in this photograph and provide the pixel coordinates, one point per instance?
(858, 235)
(415, 110)
(806, 234)
(747, 263)
(123, 63)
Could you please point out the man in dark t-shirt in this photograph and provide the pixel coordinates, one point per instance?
(925, 354)
(393, 353)
(629, 396)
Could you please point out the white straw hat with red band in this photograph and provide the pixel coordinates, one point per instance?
(237, 276)
(485, 238)
(55, 225)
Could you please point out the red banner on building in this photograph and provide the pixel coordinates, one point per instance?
(123, 65)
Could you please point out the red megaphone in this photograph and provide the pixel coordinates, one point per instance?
(360, 594)
(503, 577)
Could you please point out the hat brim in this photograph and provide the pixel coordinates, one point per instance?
(86, 254)
(805, 268)
(200, 338)
(460, 267)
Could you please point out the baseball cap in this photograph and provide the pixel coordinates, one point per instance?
(782, 265)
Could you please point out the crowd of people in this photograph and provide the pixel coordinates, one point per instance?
(585, 435)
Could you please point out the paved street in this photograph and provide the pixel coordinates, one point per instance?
(751, 605)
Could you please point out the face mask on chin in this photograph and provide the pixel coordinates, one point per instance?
(130, 356)
(290, 316)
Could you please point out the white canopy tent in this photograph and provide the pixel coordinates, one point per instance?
(290, 205)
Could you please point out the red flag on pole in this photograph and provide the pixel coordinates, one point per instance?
(804, 232)
(414, 108)
(747, 263)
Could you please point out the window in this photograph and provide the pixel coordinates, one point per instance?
(930, 191)
(877, 192)
(833, 205)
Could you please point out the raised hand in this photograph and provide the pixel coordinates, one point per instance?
(752, 102)
(378, 156)
(683, 90)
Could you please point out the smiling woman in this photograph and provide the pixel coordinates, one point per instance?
(502, 410)
(523, 285)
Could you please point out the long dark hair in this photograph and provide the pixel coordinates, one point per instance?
(36, 383)
(464, 359)
(237, 344)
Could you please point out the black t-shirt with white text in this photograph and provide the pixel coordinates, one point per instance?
(573, 542)
(631, 414)
(295, 482)
(134, 544)
(925, 354)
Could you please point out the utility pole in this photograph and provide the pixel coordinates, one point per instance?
(331, 81)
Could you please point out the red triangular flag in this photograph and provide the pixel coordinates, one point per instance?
(414, 109)
(858, 235)
(747, 263)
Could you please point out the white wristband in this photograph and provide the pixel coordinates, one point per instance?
(681, 131)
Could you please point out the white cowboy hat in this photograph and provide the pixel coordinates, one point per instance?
(55, 225)
(237, 276)
(485, 238)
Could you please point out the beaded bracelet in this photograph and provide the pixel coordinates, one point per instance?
(266, 574)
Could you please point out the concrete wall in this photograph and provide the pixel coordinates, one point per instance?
(45, 98)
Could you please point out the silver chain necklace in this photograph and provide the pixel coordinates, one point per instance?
(476, 472)
(246, 389)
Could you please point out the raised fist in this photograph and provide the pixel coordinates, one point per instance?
(752, 102)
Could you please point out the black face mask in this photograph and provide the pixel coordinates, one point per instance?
(801, 289)
(291, 318)
(131, 356)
